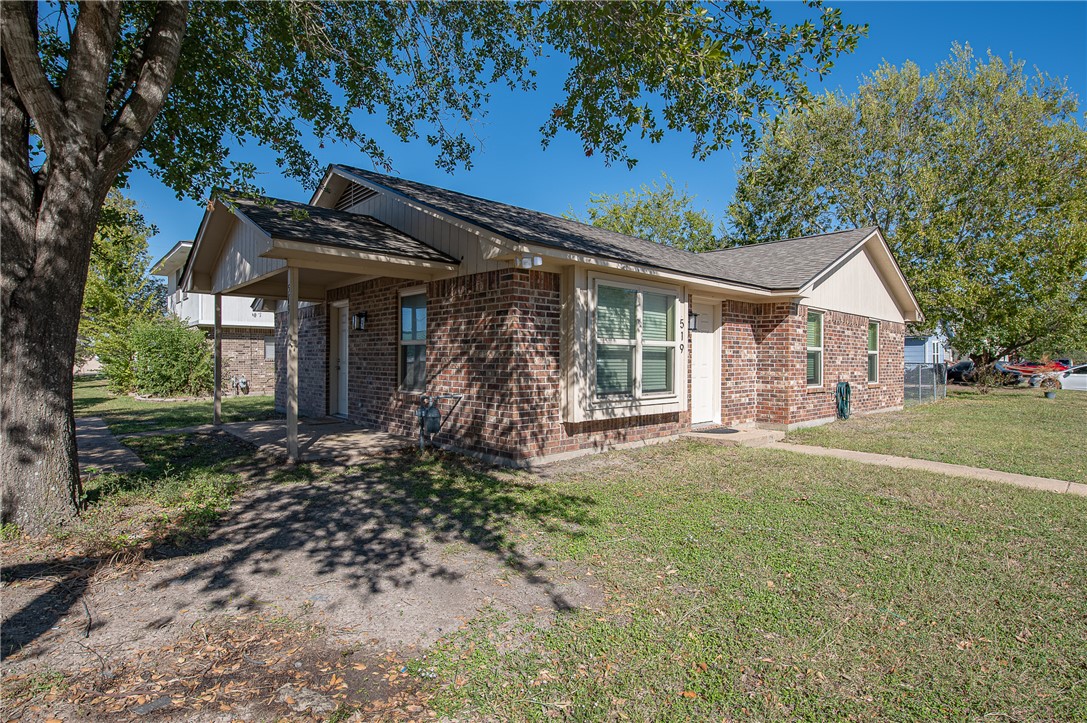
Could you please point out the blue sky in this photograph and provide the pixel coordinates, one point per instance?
(512, 167)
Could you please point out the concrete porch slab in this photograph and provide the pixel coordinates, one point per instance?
(731, 437)
(326, 438)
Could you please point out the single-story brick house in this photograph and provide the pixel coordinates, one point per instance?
(562, 338)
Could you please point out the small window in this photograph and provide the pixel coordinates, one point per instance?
(636, 342)
(269, 348)
(815, 349)
(413, 342)
(873, 352)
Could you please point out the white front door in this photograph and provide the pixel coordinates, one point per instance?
(705, 366)
(341, 363)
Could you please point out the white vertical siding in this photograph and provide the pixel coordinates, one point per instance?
(458, 242)
(857, 288)
(240, 260)
(199, 309)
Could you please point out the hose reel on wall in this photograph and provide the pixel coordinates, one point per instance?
(842, 394)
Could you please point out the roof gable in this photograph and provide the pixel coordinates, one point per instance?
(293, 221)
(789, 263)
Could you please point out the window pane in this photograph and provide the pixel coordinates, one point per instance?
(614, 369)
(413, 367)
(873, 337)
(269, 348)
(616, 311)
(873, 367)
(815, 364)
(658, 317)
(413, 317)
(657, 374)
(815, 329)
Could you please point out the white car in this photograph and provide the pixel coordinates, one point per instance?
(1074, 378)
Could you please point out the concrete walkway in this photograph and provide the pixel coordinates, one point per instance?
(100, 451)
(925, 465)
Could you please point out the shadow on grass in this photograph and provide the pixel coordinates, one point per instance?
(369, 526)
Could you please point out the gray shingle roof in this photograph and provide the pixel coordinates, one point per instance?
(786, 264)
(293, 221)
(778, 265)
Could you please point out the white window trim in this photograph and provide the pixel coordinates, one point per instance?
(872, 353)
(637, 344)
(401, 342)
(820, 348)
(580, 403)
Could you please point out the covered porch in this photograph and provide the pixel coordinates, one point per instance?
(286, 253)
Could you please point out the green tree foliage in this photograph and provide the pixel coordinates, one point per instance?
(119, 292)
(91, 90)
(656, 212)
(170, 358)
(977, 175)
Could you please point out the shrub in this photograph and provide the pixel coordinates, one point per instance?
(170, 358)
(114, 350)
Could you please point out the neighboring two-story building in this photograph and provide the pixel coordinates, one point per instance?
(248, 336)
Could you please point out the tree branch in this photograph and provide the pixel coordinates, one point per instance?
(84, 86)
(19, 30)
(161, 53)
(128, 78)
(17, 211)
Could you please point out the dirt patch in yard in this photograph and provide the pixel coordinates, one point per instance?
(302, 588)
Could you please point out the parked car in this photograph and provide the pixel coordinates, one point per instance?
(1074, 378)
(1067, 362)
(1010, 376)
(962, 372)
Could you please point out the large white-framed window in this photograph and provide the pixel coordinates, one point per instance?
(636, 342)
(873, 352)
(412, 342)
(815, 349)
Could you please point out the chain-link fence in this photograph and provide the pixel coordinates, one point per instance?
(925, 383)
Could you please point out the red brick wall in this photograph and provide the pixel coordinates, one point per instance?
(779, 336)
(243, 355)
(312, 360)
(494, 337)
(845, 359)
(739, 363)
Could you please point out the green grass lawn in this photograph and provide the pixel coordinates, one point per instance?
(749, 584)
(125, 414)
(1014, 430)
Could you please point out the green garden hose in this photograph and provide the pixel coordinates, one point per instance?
(841, 399)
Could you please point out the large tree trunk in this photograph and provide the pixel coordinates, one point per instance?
(50, 209)
(45, 256)
(38, 466)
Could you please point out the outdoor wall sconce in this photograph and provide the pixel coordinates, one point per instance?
(358, 321)
(692, 321)
(527, 262)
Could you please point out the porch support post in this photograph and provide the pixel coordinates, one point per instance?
(217, 415)
(292, 364)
